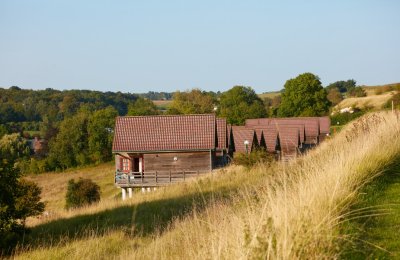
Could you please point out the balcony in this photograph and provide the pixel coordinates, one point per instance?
(152, 179)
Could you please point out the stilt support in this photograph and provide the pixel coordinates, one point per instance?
(123, 193)
(130, 192)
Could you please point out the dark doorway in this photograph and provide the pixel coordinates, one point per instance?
(136, 164)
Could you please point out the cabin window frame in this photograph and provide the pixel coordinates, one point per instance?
(125, 164)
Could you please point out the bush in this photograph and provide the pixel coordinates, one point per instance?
(357, 92)
(251, 159)
(81, 193)
(344, 118)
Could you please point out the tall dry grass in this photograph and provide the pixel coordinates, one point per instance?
(287, 211)
(296, 212)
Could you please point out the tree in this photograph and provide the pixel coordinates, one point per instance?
(19, 198)
(342, 86)
(100, 133)
(70, 147)
(334, 96)
(192, 102)
(142, 107)
(304, 96)
(240, 103)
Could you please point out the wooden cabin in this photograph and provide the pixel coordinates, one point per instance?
(157, 150)
(280, 134)
(244, 140)
(221, 152)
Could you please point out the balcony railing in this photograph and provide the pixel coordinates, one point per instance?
(155, 178)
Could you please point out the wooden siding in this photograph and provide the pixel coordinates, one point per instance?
(188, 161)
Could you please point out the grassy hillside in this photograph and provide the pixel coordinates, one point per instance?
(287, 211)
(54, 186)
(370, 101)
(162, 104)
(271, 94)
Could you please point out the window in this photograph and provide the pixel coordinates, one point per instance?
(125, 165)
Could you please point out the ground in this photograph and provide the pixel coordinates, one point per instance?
(379, 229)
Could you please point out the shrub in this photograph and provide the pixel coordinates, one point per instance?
(81, 193)
(251, 159)
(344, 118)
(357, 92)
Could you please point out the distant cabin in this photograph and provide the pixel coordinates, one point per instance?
(157, 150)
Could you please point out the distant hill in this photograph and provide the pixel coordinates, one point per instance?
(270, 94)
(377, 96)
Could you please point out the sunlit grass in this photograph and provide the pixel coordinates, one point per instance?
(284, 211)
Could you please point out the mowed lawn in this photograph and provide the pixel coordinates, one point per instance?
(380, 231)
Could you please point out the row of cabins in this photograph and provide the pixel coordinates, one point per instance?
(285, 137)
(151, 151)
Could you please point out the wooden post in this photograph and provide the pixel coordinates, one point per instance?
(169, 175)
(130, 193)
(184, 175)
(392, 107)
(156, 176)
(123, 193)
(141, 176)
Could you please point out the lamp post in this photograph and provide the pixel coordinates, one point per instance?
(246, 143)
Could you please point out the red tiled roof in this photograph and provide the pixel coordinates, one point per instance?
(259, 134)
(289, 138)
(222, 133)
(164, 133)
(240, 134)
(311, 125)
(324, 124)
(270, 134)
(284, 124)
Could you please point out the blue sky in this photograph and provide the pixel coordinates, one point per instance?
(138, 46)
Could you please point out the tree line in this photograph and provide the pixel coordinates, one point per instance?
(78, 125)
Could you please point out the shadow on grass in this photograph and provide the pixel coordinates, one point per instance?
(137, 220)
(377, 230)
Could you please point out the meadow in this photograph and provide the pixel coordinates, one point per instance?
(280, 210)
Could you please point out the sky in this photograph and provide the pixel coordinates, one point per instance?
(146, 45)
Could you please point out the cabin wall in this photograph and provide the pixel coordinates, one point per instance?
(186, 161)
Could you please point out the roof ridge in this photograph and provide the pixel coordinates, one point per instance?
(185, 115)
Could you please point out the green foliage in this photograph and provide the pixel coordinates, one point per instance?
(70, 147)
(255, 157)
(342, 86)
(157, 95)
(357, 92)
(19, 105)
(81, 193)
(19, 199)
(241, 103)
(304, 96)
(142, 107)
(191, 102)
(100, 134)
(344, 118)
(334, 96)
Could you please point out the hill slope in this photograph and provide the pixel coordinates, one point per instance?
(272, 211)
